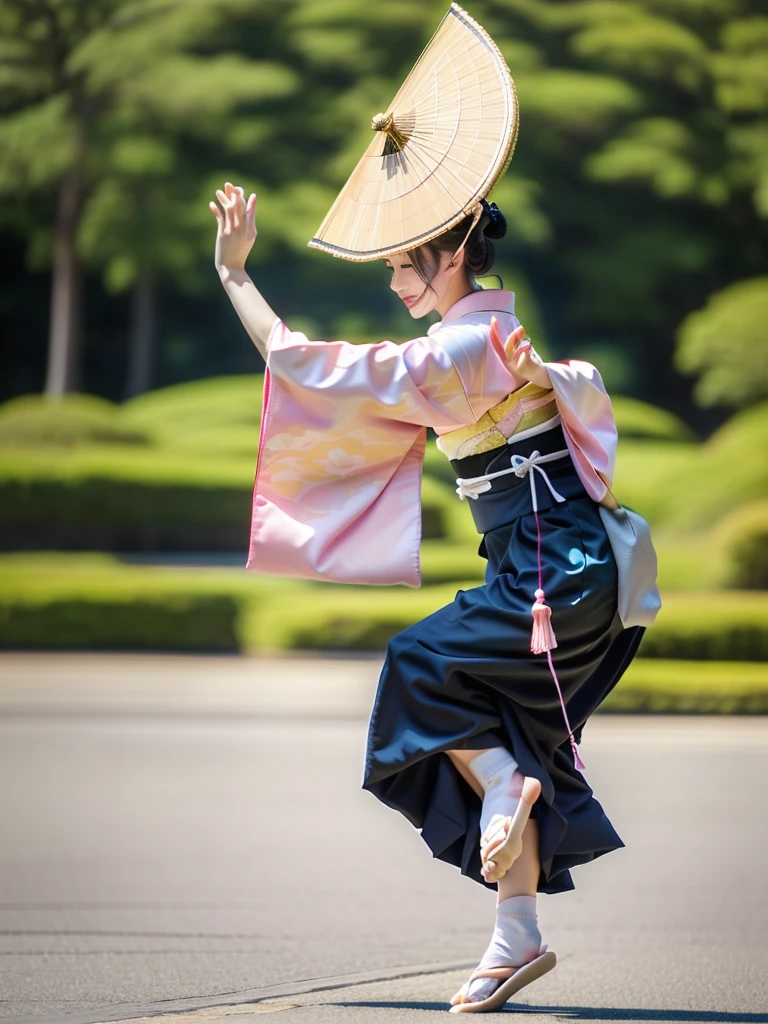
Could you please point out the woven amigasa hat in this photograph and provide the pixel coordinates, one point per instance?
(440, 147)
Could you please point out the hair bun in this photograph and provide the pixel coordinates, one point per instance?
(497, 222)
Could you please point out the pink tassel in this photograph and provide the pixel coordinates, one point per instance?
(576, 759)
(542, 634)
(543, 639)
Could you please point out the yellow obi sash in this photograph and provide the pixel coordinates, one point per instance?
(527, 407)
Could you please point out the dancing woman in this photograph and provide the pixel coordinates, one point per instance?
(475, 726)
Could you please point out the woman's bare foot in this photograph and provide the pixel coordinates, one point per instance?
(502, 842)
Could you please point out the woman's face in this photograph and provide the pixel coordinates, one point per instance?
(420, 298)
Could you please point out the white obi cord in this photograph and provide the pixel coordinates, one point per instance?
(474, 486)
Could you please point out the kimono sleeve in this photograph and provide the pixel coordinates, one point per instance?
(588, 423)
(443, 380)
(338, 477)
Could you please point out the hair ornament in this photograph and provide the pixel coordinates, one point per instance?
(497, 222)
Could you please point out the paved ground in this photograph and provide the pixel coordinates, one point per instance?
(189, 835)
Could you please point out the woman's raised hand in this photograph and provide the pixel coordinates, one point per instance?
(520, 355)
(237, 227)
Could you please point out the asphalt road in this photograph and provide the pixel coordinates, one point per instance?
(190, 835)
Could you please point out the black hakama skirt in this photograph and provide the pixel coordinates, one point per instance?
(465, 677)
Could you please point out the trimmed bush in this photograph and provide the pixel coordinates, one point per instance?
(151, 502)
(295, 614)
(435, 499)
(728, 471)
(110, 621)
(443, 562)
(636, 419)
(704, 626)
(226, 441)
(690, 688)
(199, 409)
(696, 626)
(343, 618)
(32, 421)
(744, 534)
(646, 475)
(690, 561)
(436, 465)
(141, 501)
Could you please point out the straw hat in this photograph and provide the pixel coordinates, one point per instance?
(441, 146)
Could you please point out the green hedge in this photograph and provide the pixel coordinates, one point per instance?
(444, 562)
(744, 534)
(719, 626)
(699, 490)
(147, 502)
(690, 688)
(173, 470)
(171, 414)
(217, 417)
(435, 501)
(142, 501)
(32, 421)
(636, 419)
(697, 626)
(159, 622)
(293, 614)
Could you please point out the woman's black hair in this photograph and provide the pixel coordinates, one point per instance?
(479, 252)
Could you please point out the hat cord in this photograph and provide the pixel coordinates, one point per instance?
(477, 212)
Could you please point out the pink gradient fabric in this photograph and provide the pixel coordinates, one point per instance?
(338, 480)
(588, 423)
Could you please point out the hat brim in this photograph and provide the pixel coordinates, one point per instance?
(454, 128)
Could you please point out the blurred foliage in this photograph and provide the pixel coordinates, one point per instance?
(689, 626)
(744, 535)
(103, 620)
(665, 687)
(635, 419)
(150, 500)
(639, 188)
(174, 468)
(131, 95)
(222, 414)
(31, 422)
(286, 614)
(690, 486)
(142, 501)
(727, 344)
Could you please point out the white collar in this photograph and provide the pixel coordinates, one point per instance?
(490, 300)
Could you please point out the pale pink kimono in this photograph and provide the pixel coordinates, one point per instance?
(343, 432)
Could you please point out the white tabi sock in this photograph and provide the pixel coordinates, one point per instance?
(516, 941)
(497, 772)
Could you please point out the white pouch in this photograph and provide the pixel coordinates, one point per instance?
(630, 538)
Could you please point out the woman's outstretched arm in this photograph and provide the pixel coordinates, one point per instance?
(234, 239)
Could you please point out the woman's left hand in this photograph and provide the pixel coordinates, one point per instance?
(521, 356)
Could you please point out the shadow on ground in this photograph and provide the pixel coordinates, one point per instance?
(589, 1012)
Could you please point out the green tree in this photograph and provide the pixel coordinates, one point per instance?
(726, 344)
(638, 188)
(99, 94)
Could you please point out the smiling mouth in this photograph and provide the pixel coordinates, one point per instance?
(411, 300)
